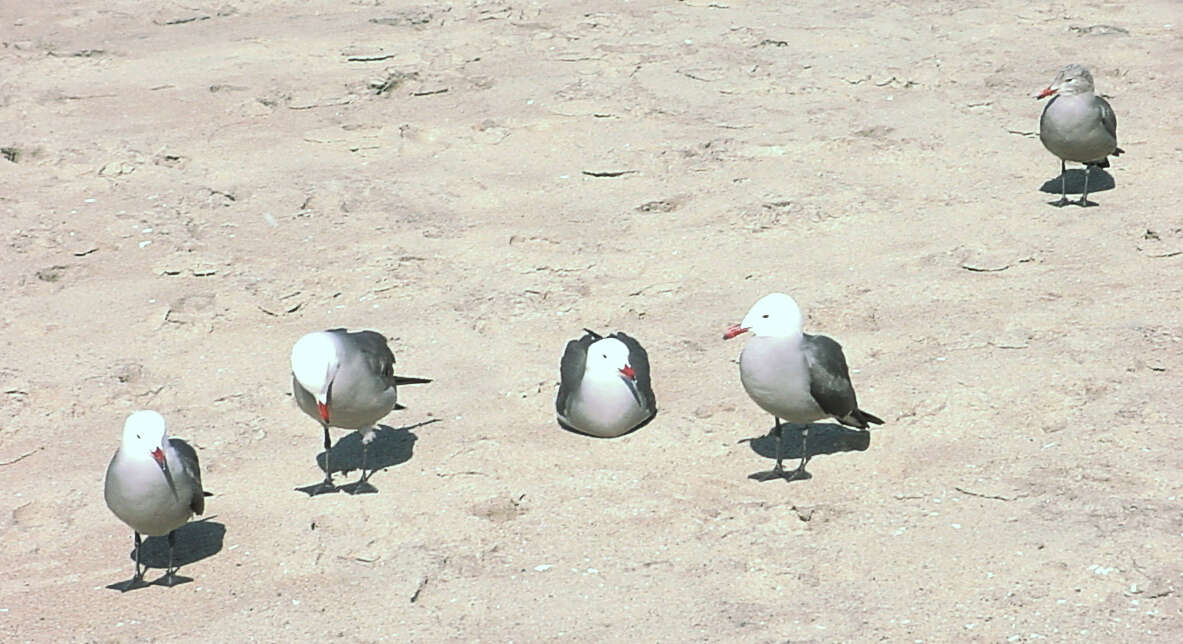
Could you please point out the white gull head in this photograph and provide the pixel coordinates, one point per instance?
(144, 436)
(775, 315)
(315, 364)
(608, 357)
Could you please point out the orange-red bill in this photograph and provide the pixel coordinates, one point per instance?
(158, 454)
(324, 411)
(733, 331)
(627, 372)
(1045, 93)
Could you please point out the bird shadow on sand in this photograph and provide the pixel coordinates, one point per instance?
(824, 438)
(571, 429)
(1099, 181)
(195, 541)
(390, 447)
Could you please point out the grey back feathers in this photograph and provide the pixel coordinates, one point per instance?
(375, 350)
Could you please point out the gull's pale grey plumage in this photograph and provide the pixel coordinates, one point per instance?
(153, 483)
(794, 376)
(604, 387)
(346, 379)
(1077, 125)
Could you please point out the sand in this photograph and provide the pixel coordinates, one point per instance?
(188, 188)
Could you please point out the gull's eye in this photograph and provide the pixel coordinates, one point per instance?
(605, 356)
(765, 316)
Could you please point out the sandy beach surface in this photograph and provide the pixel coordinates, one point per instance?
(188, 187)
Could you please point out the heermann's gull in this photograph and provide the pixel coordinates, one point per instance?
(346, 380)
(604, 387)
(153, 485)
(794, 376)
(1077, 125)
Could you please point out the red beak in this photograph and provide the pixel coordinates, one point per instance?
(324, 411)
(1045, 93)
(733, 331)
(627, 372)
(158, 454)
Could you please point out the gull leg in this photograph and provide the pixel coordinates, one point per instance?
(804, 454)
(367, 437)
(1063, 186)
(1084, 196)
(778, 469)
(169, 578)
(137, 578)
(327, 486)
(139, 574)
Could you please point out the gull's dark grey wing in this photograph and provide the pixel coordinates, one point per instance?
(1109, 120)
(638, 359)
(829, 382)
(192, 469)
(571, 369)
(375, 349)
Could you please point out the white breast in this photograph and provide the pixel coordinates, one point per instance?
(603, 406)
(139, 494)
(776, 376)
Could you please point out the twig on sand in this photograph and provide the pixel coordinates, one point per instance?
(422, 585)
(21, 457)
(369, 58)
(180, 21)
(609, 173)
(996, 497)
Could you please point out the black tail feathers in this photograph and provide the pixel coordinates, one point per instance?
(863, 419)
(404, 380)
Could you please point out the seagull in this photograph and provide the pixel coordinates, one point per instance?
(794, 376)
(604, 387)
(1077, 125)
(153, 485)
(343, 379)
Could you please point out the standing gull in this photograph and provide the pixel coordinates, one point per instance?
(1077, 125)
(346, 380)
(153, 485)
(794, 376)
(604, 387)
